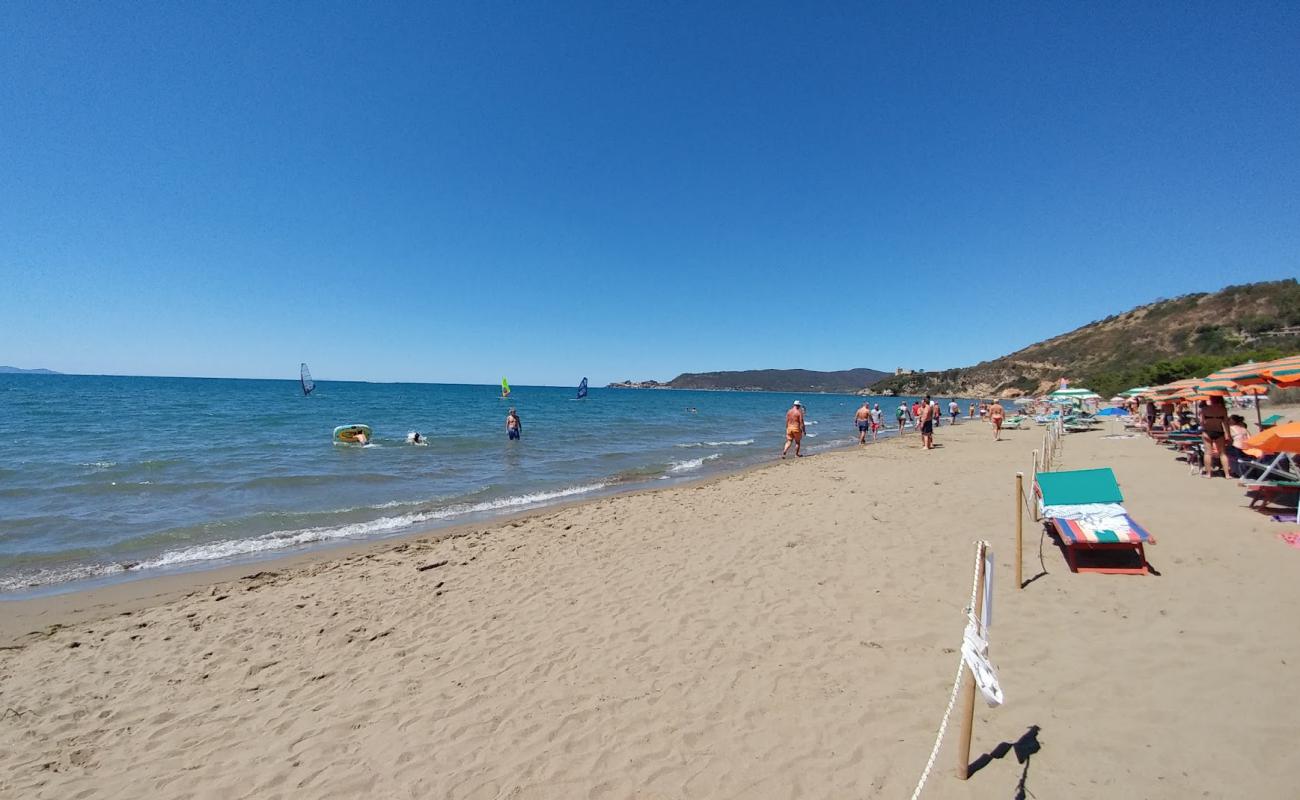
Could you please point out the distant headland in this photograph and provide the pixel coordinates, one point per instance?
(847, 381)
(19, 371)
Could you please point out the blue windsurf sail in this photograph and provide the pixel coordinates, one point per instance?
(582, 389)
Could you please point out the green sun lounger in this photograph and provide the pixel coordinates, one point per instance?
(1084, 536)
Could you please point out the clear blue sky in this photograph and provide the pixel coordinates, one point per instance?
(554, 190)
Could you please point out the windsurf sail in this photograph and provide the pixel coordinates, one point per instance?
(582, 389)
(304, 376)
(505, 388)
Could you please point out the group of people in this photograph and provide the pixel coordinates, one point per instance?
(924, 414)
(1223, 435)
(514, 430)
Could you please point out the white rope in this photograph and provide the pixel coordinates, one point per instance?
(956, 682)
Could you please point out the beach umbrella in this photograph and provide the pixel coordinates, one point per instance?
(1072, 395)
(1284, 438)
(1217, 388)
(1285, 375)
(1256, 372)
(1135, 391)
(1112, 412)
(1175, 390)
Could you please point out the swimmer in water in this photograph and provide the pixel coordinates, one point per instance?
(514, 428)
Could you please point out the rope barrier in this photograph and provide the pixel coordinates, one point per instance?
(956, 683)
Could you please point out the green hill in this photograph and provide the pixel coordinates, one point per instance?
(768, 380)
(1163, 341)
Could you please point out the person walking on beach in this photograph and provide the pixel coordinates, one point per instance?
(902, 416)
(514, 428)
(954, 410)
(794, 429)
(876, 417)
(996, 412)
(863, 420)
(925, 418)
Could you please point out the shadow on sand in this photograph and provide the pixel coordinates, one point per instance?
(1024, 748)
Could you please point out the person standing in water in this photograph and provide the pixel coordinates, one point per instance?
(794, 429)
(514, 428)
(902, 417)
(863, 420)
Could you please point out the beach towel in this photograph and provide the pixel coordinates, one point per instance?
(1079, 531)
(1292, 539)
(1095, 517)
(975, 652)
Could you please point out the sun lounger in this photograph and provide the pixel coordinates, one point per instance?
(1254, 473)
(1084, 509)
(1269, 422)
(1270, 492)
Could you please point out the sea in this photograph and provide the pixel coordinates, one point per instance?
(109, 478)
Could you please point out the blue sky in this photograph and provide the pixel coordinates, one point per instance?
(552, 190)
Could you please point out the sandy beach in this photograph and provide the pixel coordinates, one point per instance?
(790, 631)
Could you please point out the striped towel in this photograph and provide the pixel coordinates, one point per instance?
(1084, 531)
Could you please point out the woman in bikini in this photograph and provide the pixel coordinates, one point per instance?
(1214, 433)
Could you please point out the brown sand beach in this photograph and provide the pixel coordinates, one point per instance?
(790, 631)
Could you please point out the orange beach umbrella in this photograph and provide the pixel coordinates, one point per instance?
(1284, 438)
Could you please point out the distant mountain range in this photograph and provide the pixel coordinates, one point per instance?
(17, 371)
(1167, 340)
(767, 380)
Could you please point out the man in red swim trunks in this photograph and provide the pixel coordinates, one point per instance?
(996, 413)
(794, 428)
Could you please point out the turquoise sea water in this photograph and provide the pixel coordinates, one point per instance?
(105, 478)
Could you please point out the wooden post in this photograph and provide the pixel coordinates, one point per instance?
(968, 684)
(1020, 527)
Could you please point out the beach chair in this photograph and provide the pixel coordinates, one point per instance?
(1254, 473)
(1269, 422)
(1272, 493)
(1084, 509)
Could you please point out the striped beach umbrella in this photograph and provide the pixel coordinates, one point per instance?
(1075, 394)
(1256, 372)
(1211, 387)
(1176, 389)
(1136, 391)
(1284, 375)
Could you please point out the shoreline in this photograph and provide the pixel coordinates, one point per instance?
(38, 613)
(107, 581)
(787, 630)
